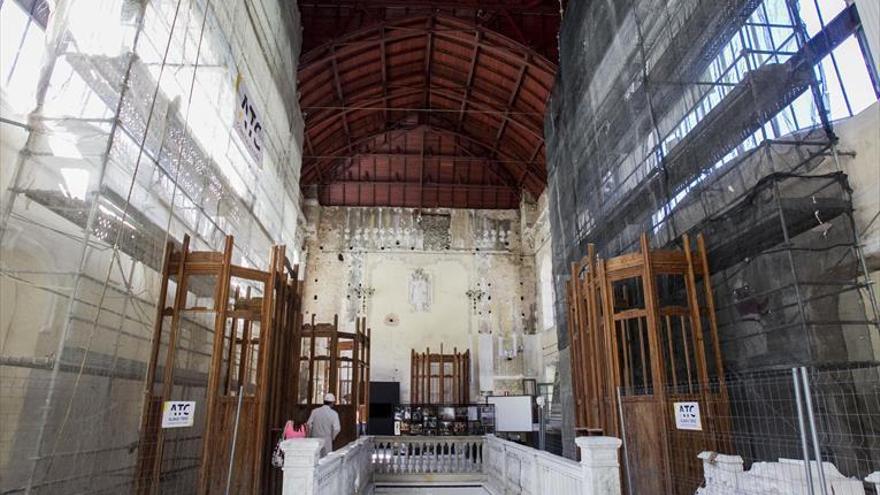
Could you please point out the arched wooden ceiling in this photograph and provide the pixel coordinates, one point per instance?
(424, 111)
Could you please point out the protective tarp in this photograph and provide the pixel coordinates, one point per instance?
(131, 144)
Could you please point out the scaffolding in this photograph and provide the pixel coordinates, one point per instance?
(692, 129)
(108, 164)
(644, 338)
(250, 319)
(714, 117)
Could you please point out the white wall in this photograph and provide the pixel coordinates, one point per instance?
(861, 134)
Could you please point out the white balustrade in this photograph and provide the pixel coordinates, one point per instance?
(344, 471)
(516, 469)
(874, 479)
(409, 457)
(500, 466)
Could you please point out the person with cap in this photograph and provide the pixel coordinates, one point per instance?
(324, 424)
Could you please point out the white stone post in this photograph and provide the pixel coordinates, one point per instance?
(721, 473)
(875, 479)
(600, 465)
(301, 457)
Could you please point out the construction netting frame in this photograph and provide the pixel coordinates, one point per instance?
(713, 117)
(130, 144)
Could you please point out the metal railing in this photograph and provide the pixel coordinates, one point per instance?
(800, 430)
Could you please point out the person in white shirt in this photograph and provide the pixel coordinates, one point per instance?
(324, 424)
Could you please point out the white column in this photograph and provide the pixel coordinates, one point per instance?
(301, 457)
(721, 472)
(875, 479)
(600, 466)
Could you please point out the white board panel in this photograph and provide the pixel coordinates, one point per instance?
(512, 413)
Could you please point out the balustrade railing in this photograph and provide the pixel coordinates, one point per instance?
(427, 455)
(520, 470)
(500, 466)
(344, 471)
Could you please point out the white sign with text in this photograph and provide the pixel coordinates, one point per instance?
(248, 123)
(687, 416)
(178, 413)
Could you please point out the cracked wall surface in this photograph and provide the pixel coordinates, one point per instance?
(448, 251)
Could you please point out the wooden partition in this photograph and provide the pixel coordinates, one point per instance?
(643, 329)
(335, 362)
(223, 339)
(440, 378)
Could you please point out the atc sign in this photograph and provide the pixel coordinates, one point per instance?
(178, 413)
(687, 416)
(248, 124)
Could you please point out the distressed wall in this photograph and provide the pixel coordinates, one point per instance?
(420, 266)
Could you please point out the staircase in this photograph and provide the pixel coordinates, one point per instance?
(430, 490)
(484, 465)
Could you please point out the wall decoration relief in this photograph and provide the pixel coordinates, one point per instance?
(354, 304)
(420, 290)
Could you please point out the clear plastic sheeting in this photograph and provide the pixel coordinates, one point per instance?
(129, 143)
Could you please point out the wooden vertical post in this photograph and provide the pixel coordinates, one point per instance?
(355, 371)
(333, 381)
(311, 384)
(456, 375)
(428, 376)
(611, 363)
(413, 383)
(596, 377)
(654, 350)
(262, 383)
(149, 424)
(441, 376)
(367, 367)
(170, 356)
(723, 414)
(221, 302)
(296, 337)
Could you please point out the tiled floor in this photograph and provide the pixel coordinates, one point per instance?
(430, 490)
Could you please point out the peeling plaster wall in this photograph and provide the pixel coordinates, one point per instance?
(457, 250)
(539, 244)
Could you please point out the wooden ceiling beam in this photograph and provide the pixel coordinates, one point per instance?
(498, 167)
(470, 77)
(373, 84)
(338, 85)
(384, 55)
(510, 102)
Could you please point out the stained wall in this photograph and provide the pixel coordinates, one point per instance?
(420, 266)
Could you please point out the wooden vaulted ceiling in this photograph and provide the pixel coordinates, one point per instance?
(425, 108)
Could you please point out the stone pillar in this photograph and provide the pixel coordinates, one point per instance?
(875, 479)
(301, 457)
(721, 472)
(600, 465)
